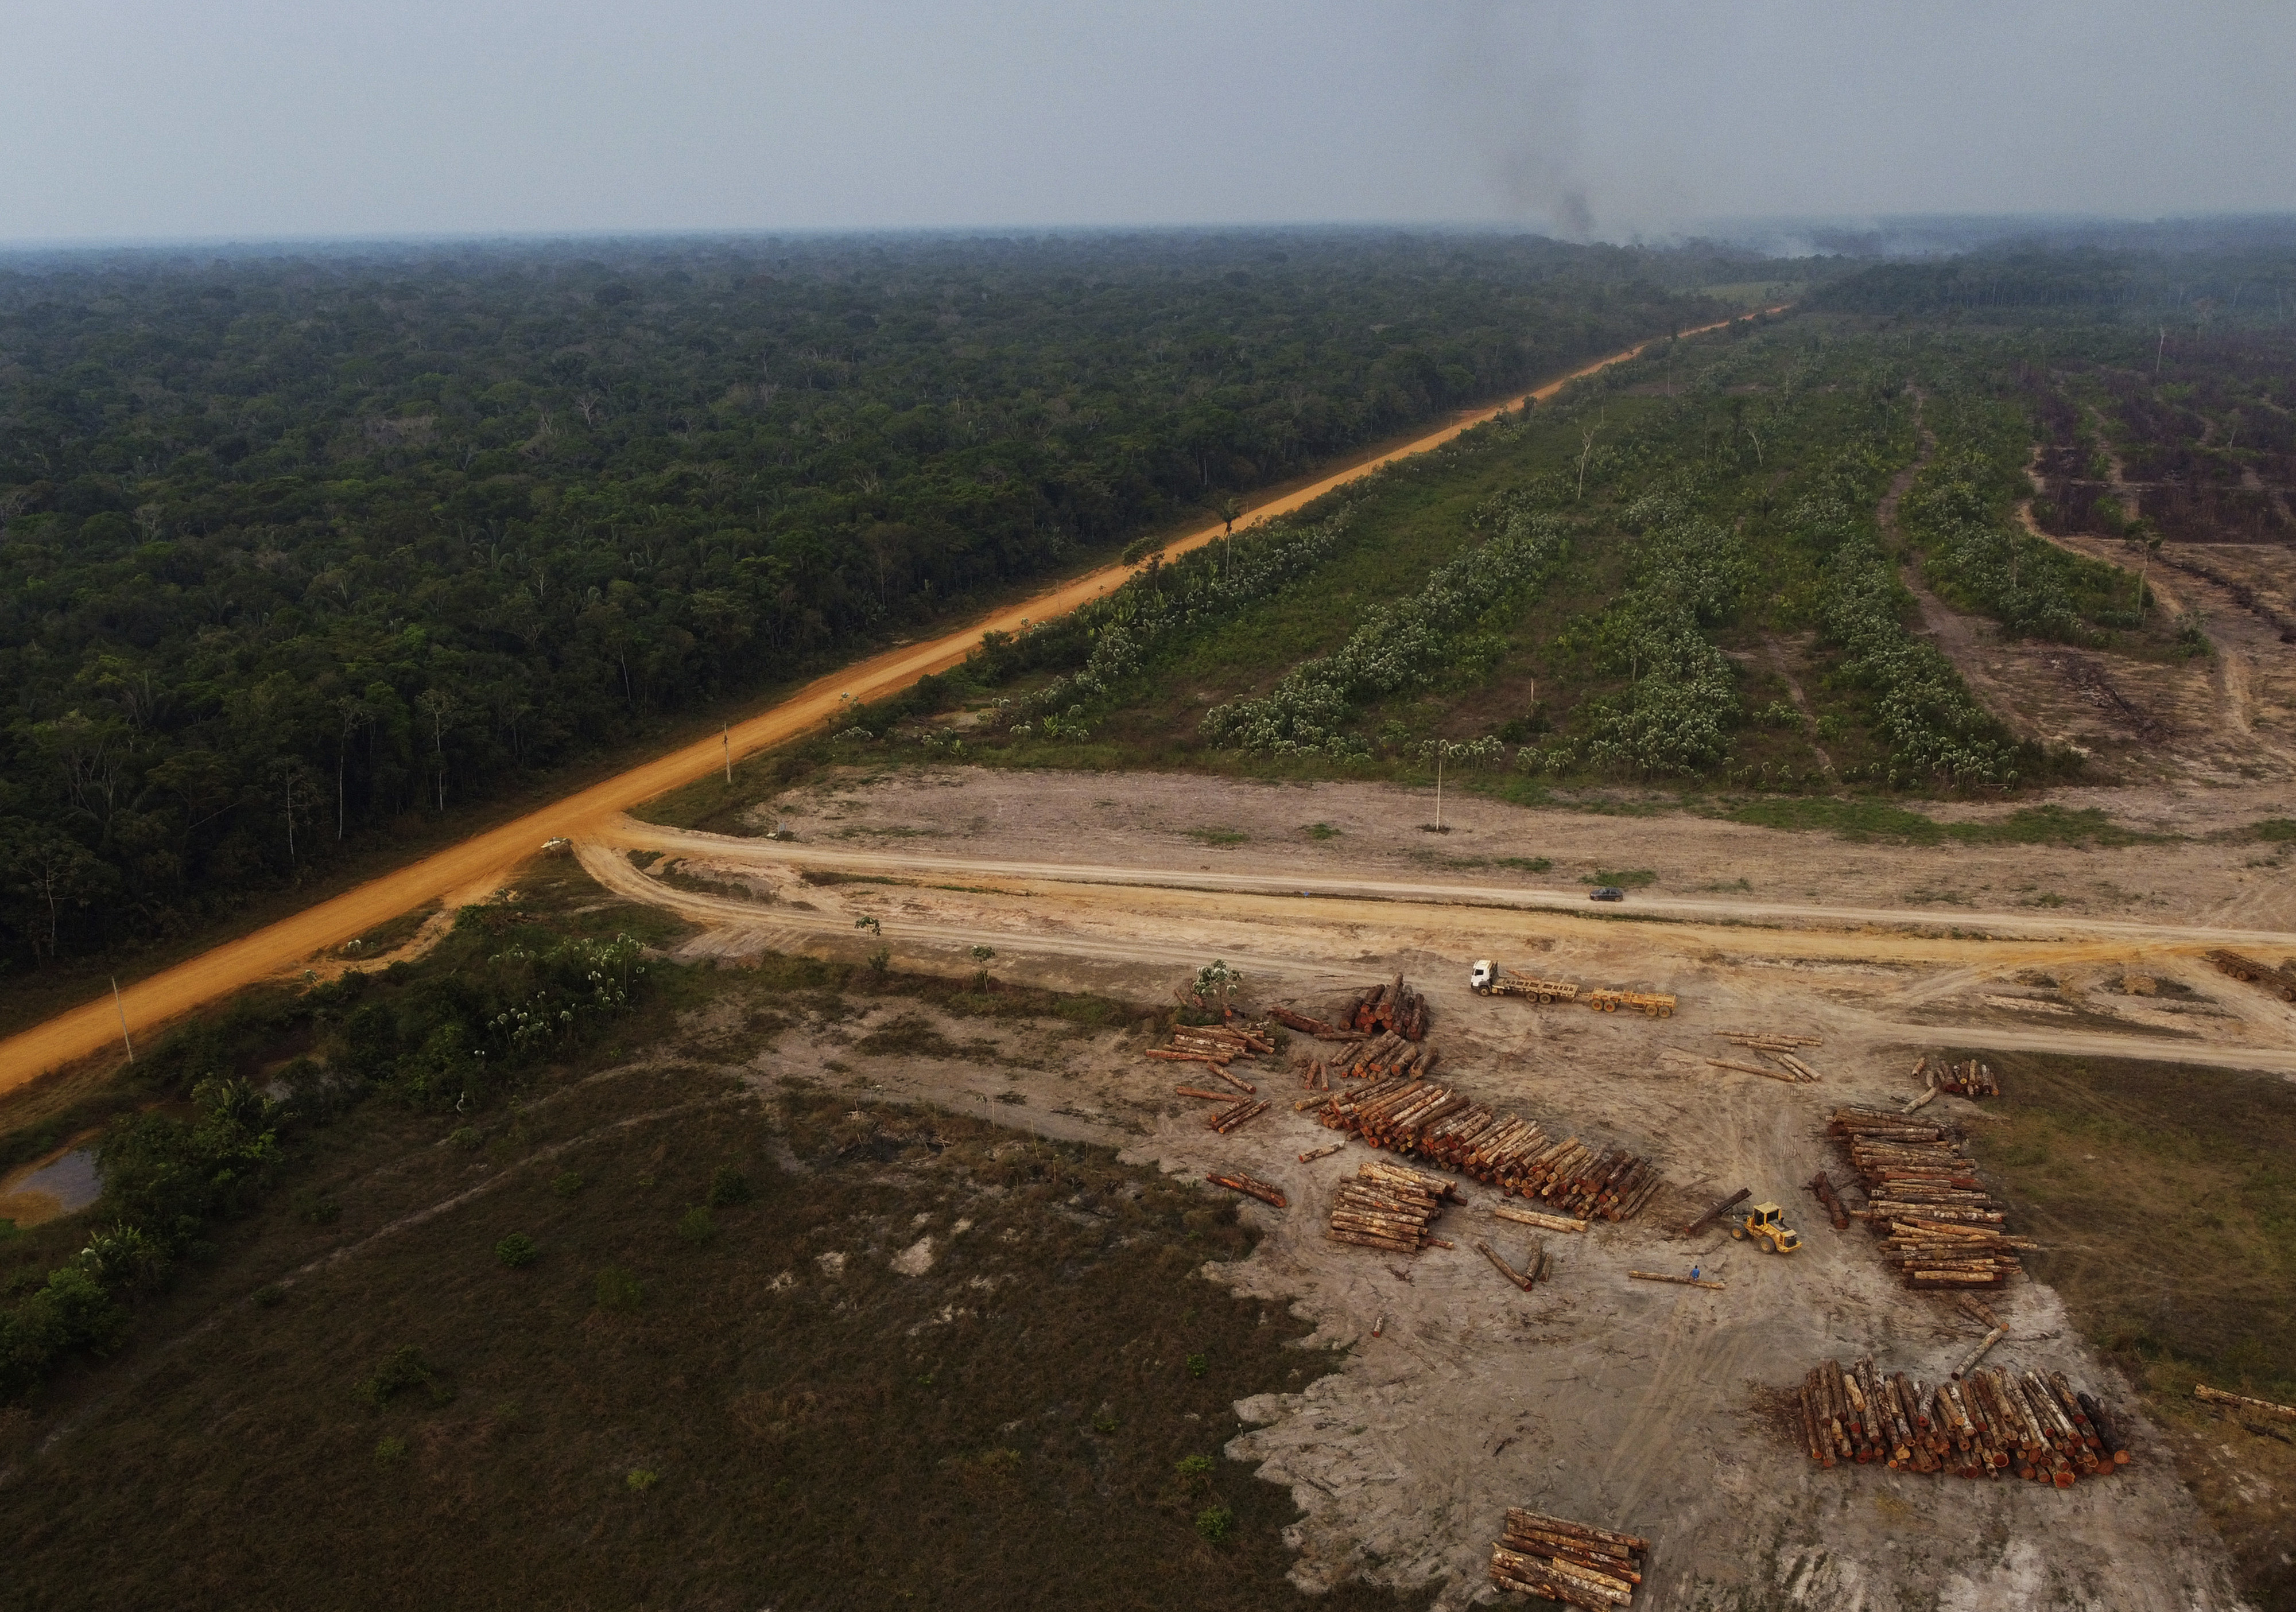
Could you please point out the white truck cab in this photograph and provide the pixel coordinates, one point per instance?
(1480, 975)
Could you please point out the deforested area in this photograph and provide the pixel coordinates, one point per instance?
(634, 1315)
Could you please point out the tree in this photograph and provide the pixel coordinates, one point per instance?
(1215, 981)
(351, 714)
(297, 791)
(441, 707)
(47, 871)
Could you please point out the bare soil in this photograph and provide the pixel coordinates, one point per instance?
(1632, 1404)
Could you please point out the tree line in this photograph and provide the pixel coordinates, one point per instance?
(292, 546)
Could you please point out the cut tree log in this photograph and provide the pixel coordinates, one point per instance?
(1679, 1281)
(1200, 1092)
(1532, 1217)
(1976, 1355)
(1501, 1267)
(1322, 1152)
(1251, 1188)
(1723, 1208)
(1752, 1068)
(2262, 1407)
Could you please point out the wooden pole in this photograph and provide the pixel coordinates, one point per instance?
(122, 1008)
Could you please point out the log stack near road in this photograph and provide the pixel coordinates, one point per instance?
(1567, 1561)
(1406, 1115)
(1218, 1044)
(1374, 1056)
(1387, 1207)
(1968, 1079)
(1394, 1006)
(1939, 1226)
(1988, 1424)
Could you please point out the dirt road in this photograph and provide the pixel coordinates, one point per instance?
(465, 870)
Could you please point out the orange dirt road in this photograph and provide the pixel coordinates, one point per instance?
(467, 870)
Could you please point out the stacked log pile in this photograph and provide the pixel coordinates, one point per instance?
(1317, 1028)
(1970, 1079)
(1939, 1225)
(1406, 1115)
(1218, 1045)
(1988, 1424)
(1567, 1561)
(1387, 1207)
(1394, 1006)
(1372, 1057)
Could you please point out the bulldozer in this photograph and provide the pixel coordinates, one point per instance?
(1760, 1221)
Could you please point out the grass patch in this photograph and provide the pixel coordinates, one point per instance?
(1524, 864)
(2274, 828)
(1865, 820)
(1634, 879)
(390, 934)
(1320, 831)
(1218, 838)
(2165, 1199)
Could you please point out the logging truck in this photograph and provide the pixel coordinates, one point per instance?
(1657, 1005)
(1763, 1224)
(2281, 982)
(1491, 980)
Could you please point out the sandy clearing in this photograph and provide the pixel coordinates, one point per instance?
(1595, 1396)
(475, 863)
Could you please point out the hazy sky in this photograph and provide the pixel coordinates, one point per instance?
(139, 119)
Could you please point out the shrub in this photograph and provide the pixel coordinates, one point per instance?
(405, 1369)
(517, 1249)
(1194, 1466)
(1215, 1523)
(1198, 1364)
(641, 1478)
(617, 1289)
(696, 1226)
(728, 1186)
(568, 1184)
(389, 1448)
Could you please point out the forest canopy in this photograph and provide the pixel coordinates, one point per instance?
(292, 545)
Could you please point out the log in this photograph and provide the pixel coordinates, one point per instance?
(1738, 1197)
(1170, 1056)
(1977, 1354)
(1532, 1217)
(1680, 1281)
(1523, 1517)
(1311, 1104)
(1228, 1097)
(1250, 1188)
(1322, 1152)
(1926, 1094)
(1501, 1265)
(1751, 1068)
(2262, 1407)
(1245, 1087)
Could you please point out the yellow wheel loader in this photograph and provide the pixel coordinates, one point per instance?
(1761, 1223)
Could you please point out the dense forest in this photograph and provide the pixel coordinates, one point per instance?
(292, 546)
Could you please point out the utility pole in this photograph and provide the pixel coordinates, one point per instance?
(729, 752)
(1439, 786)
(122, 1006)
